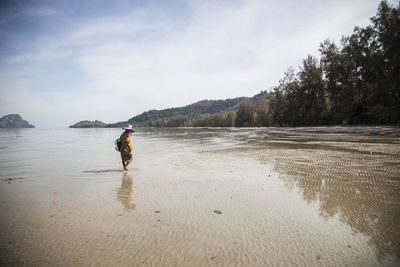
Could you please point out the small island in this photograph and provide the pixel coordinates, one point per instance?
(14, 121)
(89, 124)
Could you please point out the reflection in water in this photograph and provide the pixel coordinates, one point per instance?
(351, 172)
(363, 189)
(101, 171)
(353, 177)
(125, 192)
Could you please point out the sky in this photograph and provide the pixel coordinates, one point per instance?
(66, 61)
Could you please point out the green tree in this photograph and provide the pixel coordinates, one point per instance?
(246, 115)
(310, 95)
(386, 31)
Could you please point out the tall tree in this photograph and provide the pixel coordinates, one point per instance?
(386, 27)
(331, 63)
(311, 96)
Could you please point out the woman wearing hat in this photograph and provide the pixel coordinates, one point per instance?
(126, 146)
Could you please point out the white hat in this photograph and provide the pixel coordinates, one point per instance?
(128, 128)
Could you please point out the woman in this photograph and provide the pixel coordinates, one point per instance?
(126, 146)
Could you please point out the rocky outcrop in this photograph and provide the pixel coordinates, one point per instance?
(89, 124)
(14, 121)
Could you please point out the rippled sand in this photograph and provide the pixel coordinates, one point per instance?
(286, 196)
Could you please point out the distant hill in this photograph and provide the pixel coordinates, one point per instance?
(89, 124)
(198, 108)
(14, 121)
(200, 114)
(205, 113)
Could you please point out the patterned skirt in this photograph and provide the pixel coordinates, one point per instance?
(126, 156)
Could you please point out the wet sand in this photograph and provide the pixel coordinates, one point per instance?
(201, 197)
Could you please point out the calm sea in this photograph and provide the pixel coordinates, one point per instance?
(325, 195)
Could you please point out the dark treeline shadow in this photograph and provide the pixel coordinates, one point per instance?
(362, 189)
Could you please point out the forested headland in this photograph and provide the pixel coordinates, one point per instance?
(354, 82)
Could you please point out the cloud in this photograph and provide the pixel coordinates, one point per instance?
(40, 11)
(113, 66)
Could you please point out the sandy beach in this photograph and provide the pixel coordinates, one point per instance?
(326, 196)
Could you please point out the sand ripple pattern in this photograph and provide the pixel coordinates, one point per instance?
(359, 182)
(288, 197)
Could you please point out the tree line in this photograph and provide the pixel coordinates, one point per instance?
(354, 82)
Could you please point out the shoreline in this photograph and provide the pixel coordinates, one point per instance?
(282, 198)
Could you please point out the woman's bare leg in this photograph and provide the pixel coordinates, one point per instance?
(128, 162)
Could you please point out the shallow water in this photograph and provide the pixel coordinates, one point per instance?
(287, 196)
